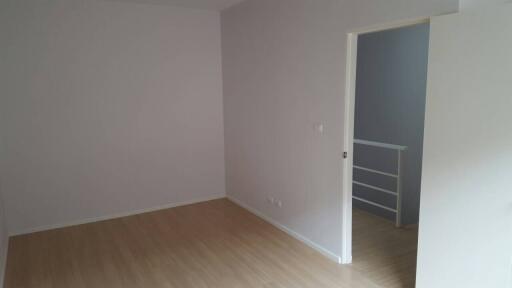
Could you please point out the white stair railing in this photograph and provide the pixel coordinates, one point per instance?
(398, 176)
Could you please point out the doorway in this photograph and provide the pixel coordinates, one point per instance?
(386, 92)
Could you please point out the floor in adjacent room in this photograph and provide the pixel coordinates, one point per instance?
(211, 244)
(385, 254)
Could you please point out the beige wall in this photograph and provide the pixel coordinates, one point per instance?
(107, 108)
(284, 72)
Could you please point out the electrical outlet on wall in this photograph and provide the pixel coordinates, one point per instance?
(275, 202)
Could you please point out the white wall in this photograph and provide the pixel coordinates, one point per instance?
(107, 108)
(284, 71)
(466, 204)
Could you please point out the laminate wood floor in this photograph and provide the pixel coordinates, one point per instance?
(385, 255)
(211, 244)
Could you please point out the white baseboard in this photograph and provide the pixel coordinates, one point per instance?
(305, 240)
(114, 216)
(3, 260)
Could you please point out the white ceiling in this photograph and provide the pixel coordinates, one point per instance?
(216, 5)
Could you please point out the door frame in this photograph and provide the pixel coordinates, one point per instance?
(348, 127)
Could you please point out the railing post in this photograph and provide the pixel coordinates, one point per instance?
(399, 188)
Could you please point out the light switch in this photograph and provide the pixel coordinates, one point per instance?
(320, 128)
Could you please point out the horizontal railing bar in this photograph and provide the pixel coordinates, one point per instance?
(375, 188)
(380, 145)
(375, 171)
(374, 204)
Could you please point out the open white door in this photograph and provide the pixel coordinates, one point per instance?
(466, 206)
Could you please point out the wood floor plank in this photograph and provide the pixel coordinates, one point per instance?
(211, 244)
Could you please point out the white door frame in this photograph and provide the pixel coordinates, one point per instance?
(348, 129)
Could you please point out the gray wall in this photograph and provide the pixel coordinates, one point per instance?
(4, 239)
(107, 108)
(472, 4)
(4, 235)
(284, 72)
(390, 108)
